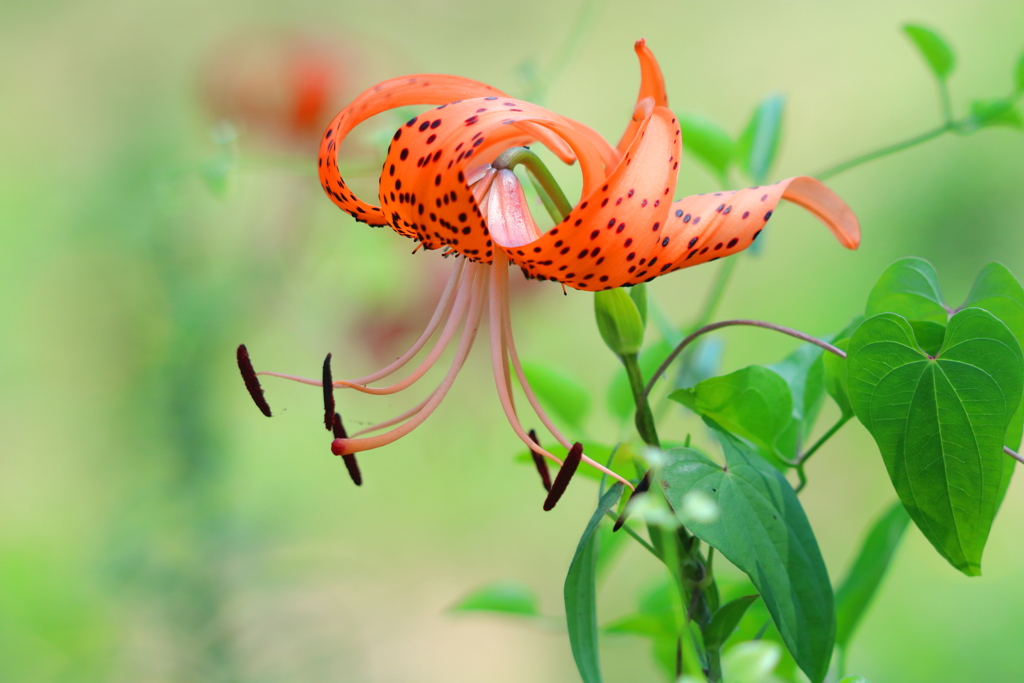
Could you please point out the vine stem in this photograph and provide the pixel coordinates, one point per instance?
(728, 323)
(802, 460)
(885, 151)
(1013, 454)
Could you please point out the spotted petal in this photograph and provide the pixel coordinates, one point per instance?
(400, 92)
(425, 186)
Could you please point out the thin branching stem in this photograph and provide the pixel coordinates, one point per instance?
(885, 151)
(802, 460)
(728, 323)
(1013, 454)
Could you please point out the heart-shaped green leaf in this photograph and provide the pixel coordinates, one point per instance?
(909, 287)
(939, 422)
(835, 378)
(998, 292)
(762, 529)
(804, 372)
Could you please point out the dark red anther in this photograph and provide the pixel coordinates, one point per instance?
(640, 489)
(251, 381)
(338, 427)
(328, 395)
(541, 463)
(569, 465)
(348, 458)
(353, 469)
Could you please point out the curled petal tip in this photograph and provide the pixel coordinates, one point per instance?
(639, 45)
(816, 197)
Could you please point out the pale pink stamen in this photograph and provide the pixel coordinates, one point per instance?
(352, 445)
(507, 339)
(395, 420)
(454, 313)
(458, 312)
(498, 362)
(440, 313)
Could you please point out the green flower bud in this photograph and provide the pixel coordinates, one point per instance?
(620, 322)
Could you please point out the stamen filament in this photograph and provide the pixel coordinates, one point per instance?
(395, 420)
(454, 318)
(509, 341)
(440, 314)
(497, 363)
(353, 445)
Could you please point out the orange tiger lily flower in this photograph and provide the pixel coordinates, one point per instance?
(438, 187)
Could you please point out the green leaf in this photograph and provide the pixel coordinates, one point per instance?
(753, 402)
(559, 392)
(804, 372)
(929, 335)
(762, 529)
(581, 593)
(619, 321)
(859, 587)
(835, 378)
(910, 288)
(507, 597)
(725, 620)
(751, 662)
(940, 422)
(935, 50)
(855, 679)
(640, 624)
(707, 142)
(997, 291)
(1001, 111)
(759, 142)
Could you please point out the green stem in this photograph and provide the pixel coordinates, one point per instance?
(644, 419)
(636, 537)
(802, 460)
(824, 437)
(550, 193)
(947, 105)
(885, 151)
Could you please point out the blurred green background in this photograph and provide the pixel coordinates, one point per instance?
(155, 527)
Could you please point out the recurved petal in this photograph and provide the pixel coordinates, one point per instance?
(424, 188)
(613, 236)
(406, 91)
(652, 93)
(706, 227)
